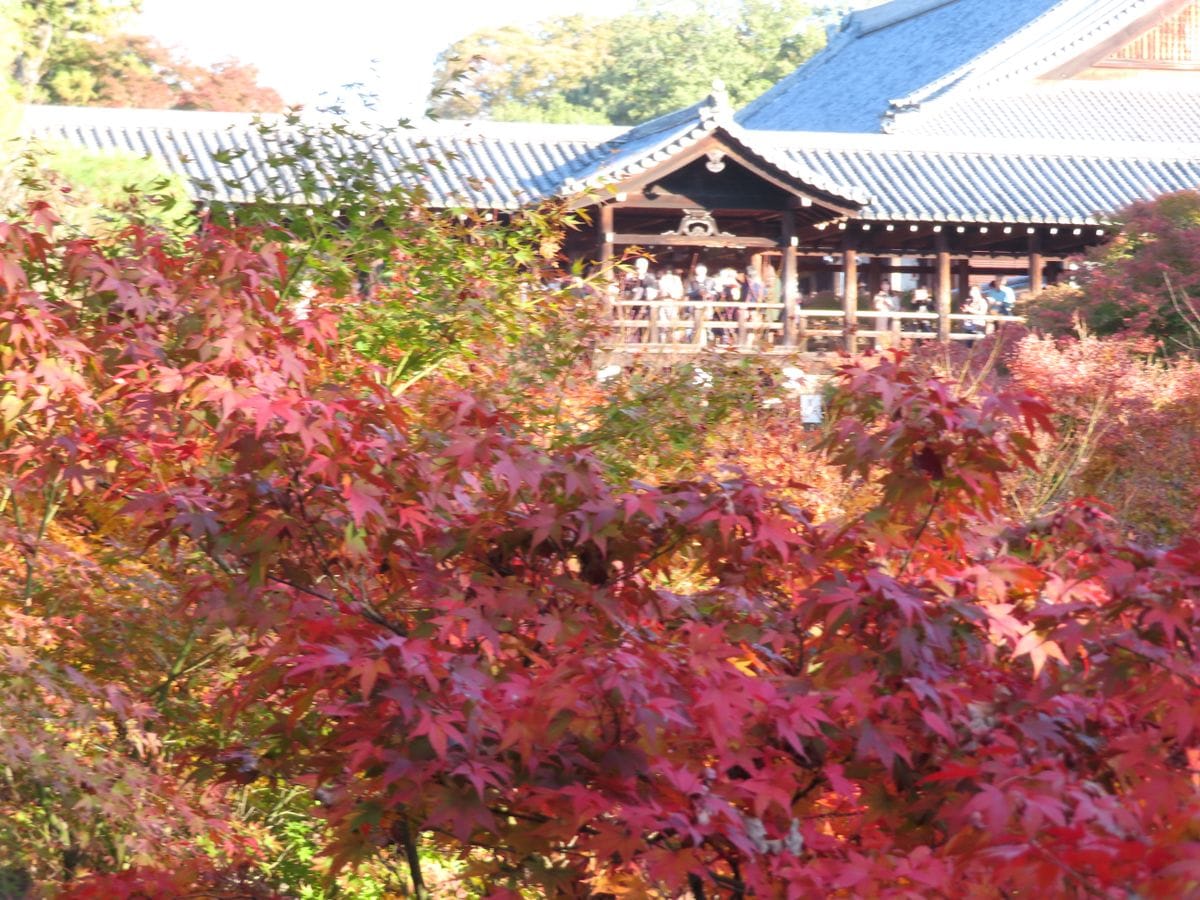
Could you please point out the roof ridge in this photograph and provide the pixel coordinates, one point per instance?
(40, 110)
(885, 15)
(1007, 147)
(40, 115)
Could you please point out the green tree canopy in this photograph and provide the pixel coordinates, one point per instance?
(56, 40)
(626, 69)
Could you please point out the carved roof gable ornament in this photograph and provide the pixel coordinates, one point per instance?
(699, 223)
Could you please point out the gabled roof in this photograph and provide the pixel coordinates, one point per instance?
(1063, 32)
(645, 146)
(896, 66)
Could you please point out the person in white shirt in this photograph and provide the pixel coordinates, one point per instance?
(885, 301)
(975, 305)
(670, 294)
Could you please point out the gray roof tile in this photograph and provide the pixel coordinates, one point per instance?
(1001, 181)
(851, 84)
(971, 67)
(498, 166)
(1072, 110)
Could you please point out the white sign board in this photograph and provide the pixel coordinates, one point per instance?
(812, 409)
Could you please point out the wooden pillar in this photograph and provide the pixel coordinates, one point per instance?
(1037, 264)
(788, 275)
(604, 263)
(850, 297)
(604, 240)
(942, 295)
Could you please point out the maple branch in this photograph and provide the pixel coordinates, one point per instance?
(1145, 657)
(370, 613)
(412, 857)
(537, 819)
(31, 551)
(937, 497)
(1071, 873)
(729, 855)
(662, 551)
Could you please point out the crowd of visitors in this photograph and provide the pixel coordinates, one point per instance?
(668, 299)
(739, 306)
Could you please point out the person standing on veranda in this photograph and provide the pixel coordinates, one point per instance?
(922, 302)
(885, 301)
(670, 292)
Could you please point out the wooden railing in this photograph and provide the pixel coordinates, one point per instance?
(669, 325)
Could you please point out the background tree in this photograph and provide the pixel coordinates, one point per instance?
(1144, 283)
(629, 68)
(76, 52)
(56, 40)
(517, 73)
(134, 70)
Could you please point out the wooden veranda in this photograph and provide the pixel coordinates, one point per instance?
(817, 248)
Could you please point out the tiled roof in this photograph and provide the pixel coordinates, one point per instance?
(995, 181)
(1071, 110)
(874, 59)
(486, 164)
(645, 146)
(642, 146)
(499, 166)
(971, 68)
(1068, 29)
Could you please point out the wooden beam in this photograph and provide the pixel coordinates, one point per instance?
(1018, 267)
(691, 240)
(728, 204)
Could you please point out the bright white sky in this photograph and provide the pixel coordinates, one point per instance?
(304, 47)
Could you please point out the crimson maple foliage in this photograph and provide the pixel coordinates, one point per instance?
(587, 687)
(1144, 283)
(1129, 433)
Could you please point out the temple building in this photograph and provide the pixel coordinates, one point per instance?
(943, 140)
